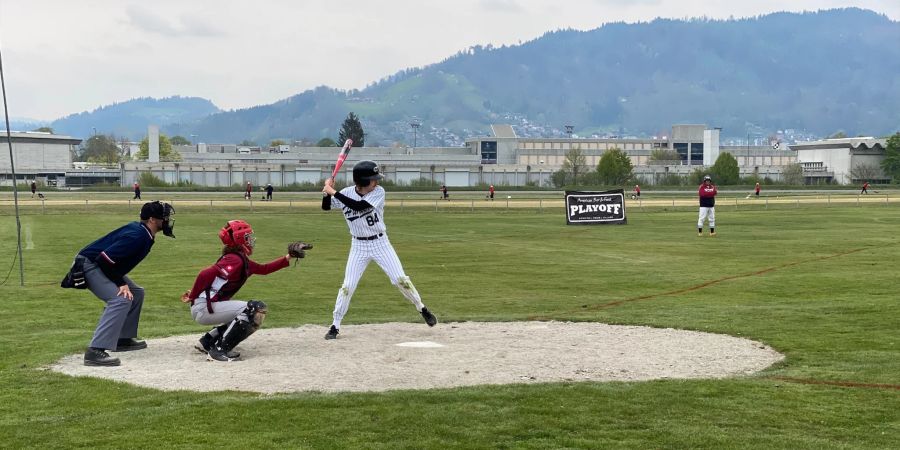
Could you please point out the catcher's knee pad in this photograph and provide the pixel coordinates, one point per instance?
(256, 313)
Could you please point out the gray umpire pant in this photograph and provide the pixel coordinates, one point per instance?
(120, 316)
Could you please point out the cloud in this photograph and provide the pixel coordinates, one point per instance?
(504, 6)
(187, 25)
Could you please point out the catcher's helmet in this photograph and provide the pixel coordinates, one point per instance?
(365, 171)
(237, 233)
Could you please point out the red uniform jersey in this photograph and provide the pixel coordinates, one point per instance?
(220, 281)
(707, 194)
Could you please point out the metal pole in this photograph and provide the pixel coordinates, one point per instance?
(12, 165)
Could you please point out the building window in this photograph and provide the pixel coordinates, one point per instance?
(697, 154)
(489, 152)
(682, 149)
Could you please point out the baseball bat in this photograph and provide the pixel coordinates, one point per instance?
(343, 156)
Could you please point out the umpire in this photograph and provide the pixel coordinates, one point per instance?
(105, 264)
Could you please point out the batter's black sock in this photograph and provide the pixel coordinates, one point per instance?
(700, 230)
(712, 231)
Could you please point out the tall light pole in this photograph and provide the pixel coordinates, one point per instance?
(12, 166)
(569, 130)
(415, 124)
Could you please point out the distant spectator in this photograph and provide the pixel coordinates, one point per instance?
(269, 190)
(637, 193)
(33, 188)
(249, 191)
(865, 189)
(444, 194)
(757, 189)
(137, 191)
(491, 191)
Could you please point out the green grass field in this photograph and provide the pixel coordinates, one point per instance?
(818, 284)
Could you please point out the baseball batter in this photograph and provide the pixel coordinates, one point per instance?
(363, 208)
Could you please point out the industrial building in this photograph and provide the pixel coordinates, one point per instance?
(500, 159)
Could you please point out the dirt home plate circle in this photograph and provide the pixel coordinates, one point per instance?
(390, 356)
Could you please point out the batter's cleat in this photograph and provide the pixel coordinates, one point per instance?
(712, 234)
(429, 317)
(99, 357)
(129, 344)
(700, 234)
(332, 333)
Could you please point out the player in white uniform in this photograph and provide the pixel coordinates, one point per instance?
(363, 208)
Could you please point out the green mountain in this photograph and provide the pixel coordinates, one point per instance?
(129, 119)
(820, 72)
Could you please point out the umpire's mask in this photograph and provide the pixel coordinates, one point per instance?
(162, 211)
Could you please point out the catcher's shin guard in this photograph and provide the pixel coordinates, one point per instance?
(245, 324)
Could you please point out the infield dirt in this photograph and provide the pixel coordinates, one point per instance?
(390, 356)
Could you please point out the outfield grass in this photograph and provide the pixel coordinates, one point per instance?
(818, 284)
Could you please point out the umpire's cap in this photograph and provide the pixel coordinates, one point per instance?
(365, 171)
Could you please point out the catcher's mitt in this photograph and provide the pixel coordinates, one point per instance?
(298, 249)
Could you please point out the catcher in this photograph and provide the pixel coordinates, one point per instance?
(210, 298)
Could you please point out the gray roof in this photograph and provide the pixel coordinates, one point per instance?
(37, 136)
(854, 143)
(503, 131)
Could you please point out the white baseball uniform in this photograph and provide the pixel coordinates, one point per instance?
(369, 242)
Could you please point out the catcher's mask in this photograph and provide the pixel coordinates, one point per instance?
(162, 211)
(237, 233)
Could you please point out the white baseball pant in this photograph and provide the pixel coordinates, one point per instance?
(707, 212)
(361, 253)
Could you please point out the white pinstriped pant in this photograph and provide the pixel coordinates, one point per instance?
(707, 212)
(361, 253)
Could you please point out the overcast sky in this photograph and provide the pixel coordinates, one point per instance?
(67, 56)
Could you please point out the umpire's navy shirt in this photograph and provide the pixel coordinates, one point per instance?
(120, 251)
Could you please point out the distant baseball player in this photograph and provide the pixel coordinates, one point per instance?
(248, 191)
(137, 191)
(757, 189)
(210, 298)
(865, 188)
(491, 192)
(637, 193)
(269, 190)
(707, 194)
(103, 266)
(363, 208)
(33, 188)
(444, 194)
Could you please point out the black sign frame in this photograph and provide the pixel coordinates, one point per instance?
(596, 207)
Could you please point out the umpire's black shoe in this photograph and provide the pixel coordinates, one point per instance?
(99, 357)
(429, 317)
(129, 344)
(332, 333)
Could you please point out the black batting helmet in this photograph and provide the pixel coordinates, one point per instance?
(365, 171)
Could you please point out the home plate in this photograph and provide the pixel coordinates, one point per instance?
(420, 344)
